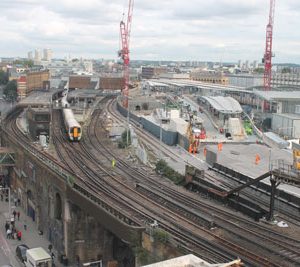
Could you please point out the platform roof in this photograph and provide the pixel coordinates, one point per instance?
(278, 95)
(224, 104)
(209, 86)
(37, 98)
(152, 83)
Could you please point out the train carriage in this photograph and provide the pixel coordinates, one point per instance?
(73, 128)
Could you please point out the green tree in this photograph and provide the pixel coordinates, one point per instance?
(123, 142)
(161, 236)
(10, 91)
(286, 70)
(24, 62)
(3, 77)
(259, 70)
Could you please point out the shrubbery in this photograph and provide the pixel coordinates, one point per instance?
(123, 142)
(163, 168)
(161, 236)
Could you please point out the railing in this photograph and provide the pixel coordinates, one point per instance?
(55, 167)
(285, 170)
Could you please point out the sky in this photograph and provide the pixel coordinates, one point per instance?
(194, 30)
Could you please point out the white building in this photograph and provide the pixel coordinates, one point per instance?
(88, 66)
(30, 55)
(245, 80)
(37, 56)
(240, 64)
(47, 54)
(247, 64)
(255, 64)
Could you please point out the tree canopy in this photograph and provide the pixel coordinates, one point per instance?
(286, 70)
(24, 62)
(259, 70)
(3, 77)
(10, 91)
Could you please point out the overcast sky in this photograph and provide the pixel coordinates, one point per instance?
(202, 30)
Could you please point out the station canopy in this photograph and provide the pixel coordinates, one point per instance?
(224, 104)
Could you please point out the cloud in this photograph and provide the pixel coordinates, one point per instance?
(170, 29)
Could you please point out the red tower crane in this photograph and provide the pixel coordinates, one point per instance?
(124, 52)
(267, 60)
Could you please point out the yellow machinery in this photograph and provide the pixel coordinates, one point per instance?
(296, 155)
(193, 142)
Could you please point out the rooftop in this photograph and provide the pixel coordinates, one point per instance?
(38, 254)
(224, 104)
(278, 95)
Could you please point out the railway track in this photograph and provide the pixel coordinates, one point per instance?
(287, 211)
(289, 249)
(112, 155)
(181, 228)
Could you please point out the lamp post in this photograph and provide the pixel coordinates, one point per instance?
(128, 120)
(160, 138)
(127, 136)
(93, 262)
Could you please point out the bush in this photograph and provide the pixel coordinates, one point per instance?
(10, 91)
(123, 142)
(163, 168)
(161, 236)
(142, 255)
(3, 77)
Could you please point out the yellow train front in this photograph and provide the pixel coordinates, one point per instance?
(74, 133)
(73, 128)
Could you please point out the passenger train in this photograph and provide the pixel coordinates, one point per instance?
(72, 126)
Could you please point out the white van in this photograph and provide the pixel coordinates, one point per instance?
(37, 257)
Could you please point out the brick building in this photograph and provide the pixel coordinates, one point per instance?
(111, 83)
(21, 87)
(210, 77)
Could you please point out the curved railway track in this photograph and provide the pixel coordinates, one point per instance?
(92, 162)
(126, 194)
(289, 246)
(108, 152)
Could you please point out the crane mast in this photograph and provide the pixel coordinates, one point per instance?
(125, 29)
(268, 49)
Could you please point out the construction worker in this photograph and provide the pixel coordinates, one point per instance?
(220, 146)
(113, 163)
(257, 159)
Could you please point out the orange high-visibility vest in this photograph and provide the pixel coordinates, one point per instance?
(257, 159)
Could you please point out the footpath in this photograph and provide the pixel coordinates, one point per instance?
(30, 236)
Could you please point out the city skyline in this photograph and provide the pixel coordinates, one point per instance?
(222, 30)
